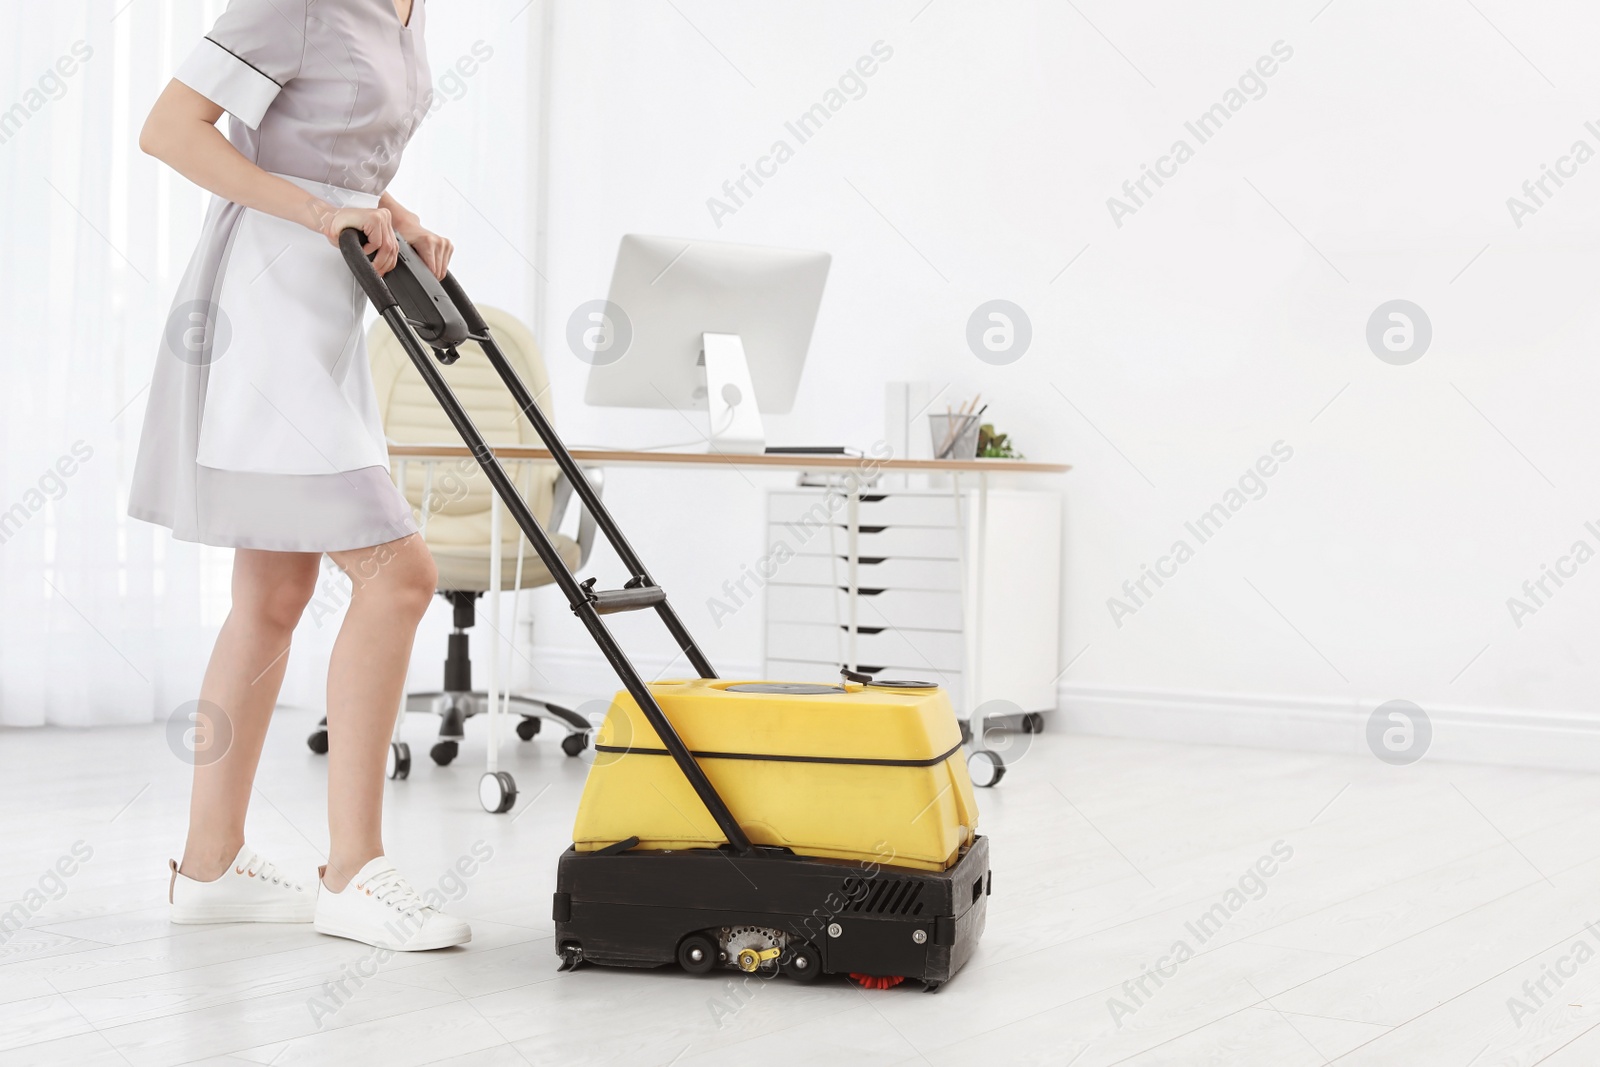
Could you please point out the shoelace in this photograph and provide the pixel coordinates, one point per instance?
(261, 867)
(391, 888)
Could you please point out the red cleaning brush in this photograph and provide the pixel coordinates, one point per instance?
(873, 981)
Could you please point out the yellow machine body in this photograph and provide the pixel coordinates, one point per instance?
(860, 773)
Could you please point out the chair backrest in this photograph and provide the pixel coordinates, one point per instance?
(461, 493)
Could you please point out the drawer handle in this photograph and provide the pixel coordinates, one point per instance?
(863, 591)
(871, 529)
(868, 630)
(868, 561)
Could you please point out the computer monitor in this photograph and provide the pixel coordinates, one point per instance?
(704, 326)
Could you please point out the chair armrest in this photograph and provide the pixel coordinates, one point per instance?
(561, 495)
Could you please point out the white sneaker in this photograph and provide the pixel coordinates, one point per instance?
(378, 907)
(251, 890)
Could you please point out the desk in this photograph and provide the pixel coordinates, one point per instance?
(622, 458)
(974, 555)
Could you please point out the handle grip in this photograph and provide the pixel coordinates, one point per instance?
(350, 243)
(428, 308)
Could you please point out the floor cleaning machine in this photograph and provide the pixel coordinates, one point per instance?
(855, 850)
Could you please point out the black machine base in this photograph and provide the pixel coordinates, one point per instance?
(639, 908)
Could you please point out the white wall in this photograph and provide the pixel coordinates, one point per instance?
(1222, 317)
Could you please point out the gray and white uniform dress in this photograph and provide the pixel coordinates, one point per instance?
(262, 428)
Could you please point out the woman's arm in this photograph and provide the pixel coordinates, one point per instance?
(181, 131)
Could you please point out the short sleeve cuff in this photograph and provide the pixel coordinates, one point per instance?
(229, 82)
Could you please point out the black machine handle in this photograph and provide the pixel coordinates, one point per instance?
(409, 300)
(411, 287)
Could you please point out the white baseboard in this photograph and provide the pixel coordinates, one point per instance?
(1505, 736)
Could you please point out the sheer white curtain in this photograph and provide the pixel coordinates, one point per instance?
(104, 619)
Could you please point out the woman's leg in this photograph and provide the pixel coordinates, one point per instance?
(394, 584)
(270, 590)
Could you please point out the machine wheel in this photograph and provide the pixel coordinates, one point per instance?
(318, 742)
(443, 752)
(571, 957)
(527, 728)
(1033, 723)
(399, 760)
(802, 963)
(697, 954)
(575, 743)
(497, 792)
(985, 768)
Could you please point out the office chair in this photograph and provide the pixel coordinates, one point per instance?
(454, 499)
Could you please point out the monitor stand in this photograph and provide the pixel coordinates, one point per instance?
(731, 409)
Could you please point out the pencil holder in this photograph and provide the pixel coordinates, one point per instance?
(954, 436)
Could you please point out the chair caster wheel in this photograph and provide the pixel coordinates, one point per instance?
(985, 768)
(399, 760)
(497, 792)
(444, 752)
(528, 728)
(574, 743)
(318, 742)
(1033, 723)
(571, 957)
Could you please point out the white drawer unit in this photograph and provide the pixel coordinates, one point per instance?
(876, 542)
(878, 572)
(874, 646)
(961, 590)
(877, 509)
(918, 609)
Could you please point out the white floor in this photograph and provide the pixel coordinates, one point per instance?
(1415, 903)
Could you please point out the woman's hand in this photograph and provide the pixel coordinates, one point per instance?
(434, 250)
(377, 223)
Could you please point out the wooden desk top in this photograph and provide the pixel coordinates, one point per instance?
(618, 458)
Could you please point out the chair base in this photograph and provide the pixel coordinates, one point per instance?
(455, 707)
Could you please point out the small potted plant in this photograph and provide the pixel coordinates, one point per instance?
(993, 445)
